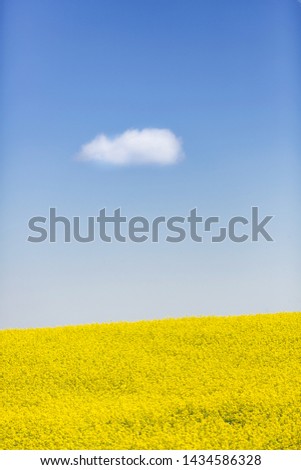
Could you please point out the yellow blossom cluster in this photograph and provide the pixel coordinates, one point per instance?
(189, 383)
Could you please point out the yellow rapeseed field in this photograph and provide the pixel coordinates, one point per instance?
(191, 383)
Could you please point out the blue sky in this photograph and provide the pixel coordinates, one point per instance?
(222, 76)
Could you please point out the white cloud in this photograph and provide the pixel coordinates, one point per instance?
(135, 147)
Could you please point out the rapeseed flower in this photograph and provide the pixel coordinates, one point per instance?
(190, 383)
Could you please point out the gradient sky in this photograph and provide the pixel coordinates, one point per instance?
(225, 78)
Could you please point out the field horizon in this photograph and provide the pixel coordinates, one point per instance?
(149, 320)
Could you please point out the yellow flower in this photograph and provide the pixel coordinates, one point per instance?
(191, 383)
